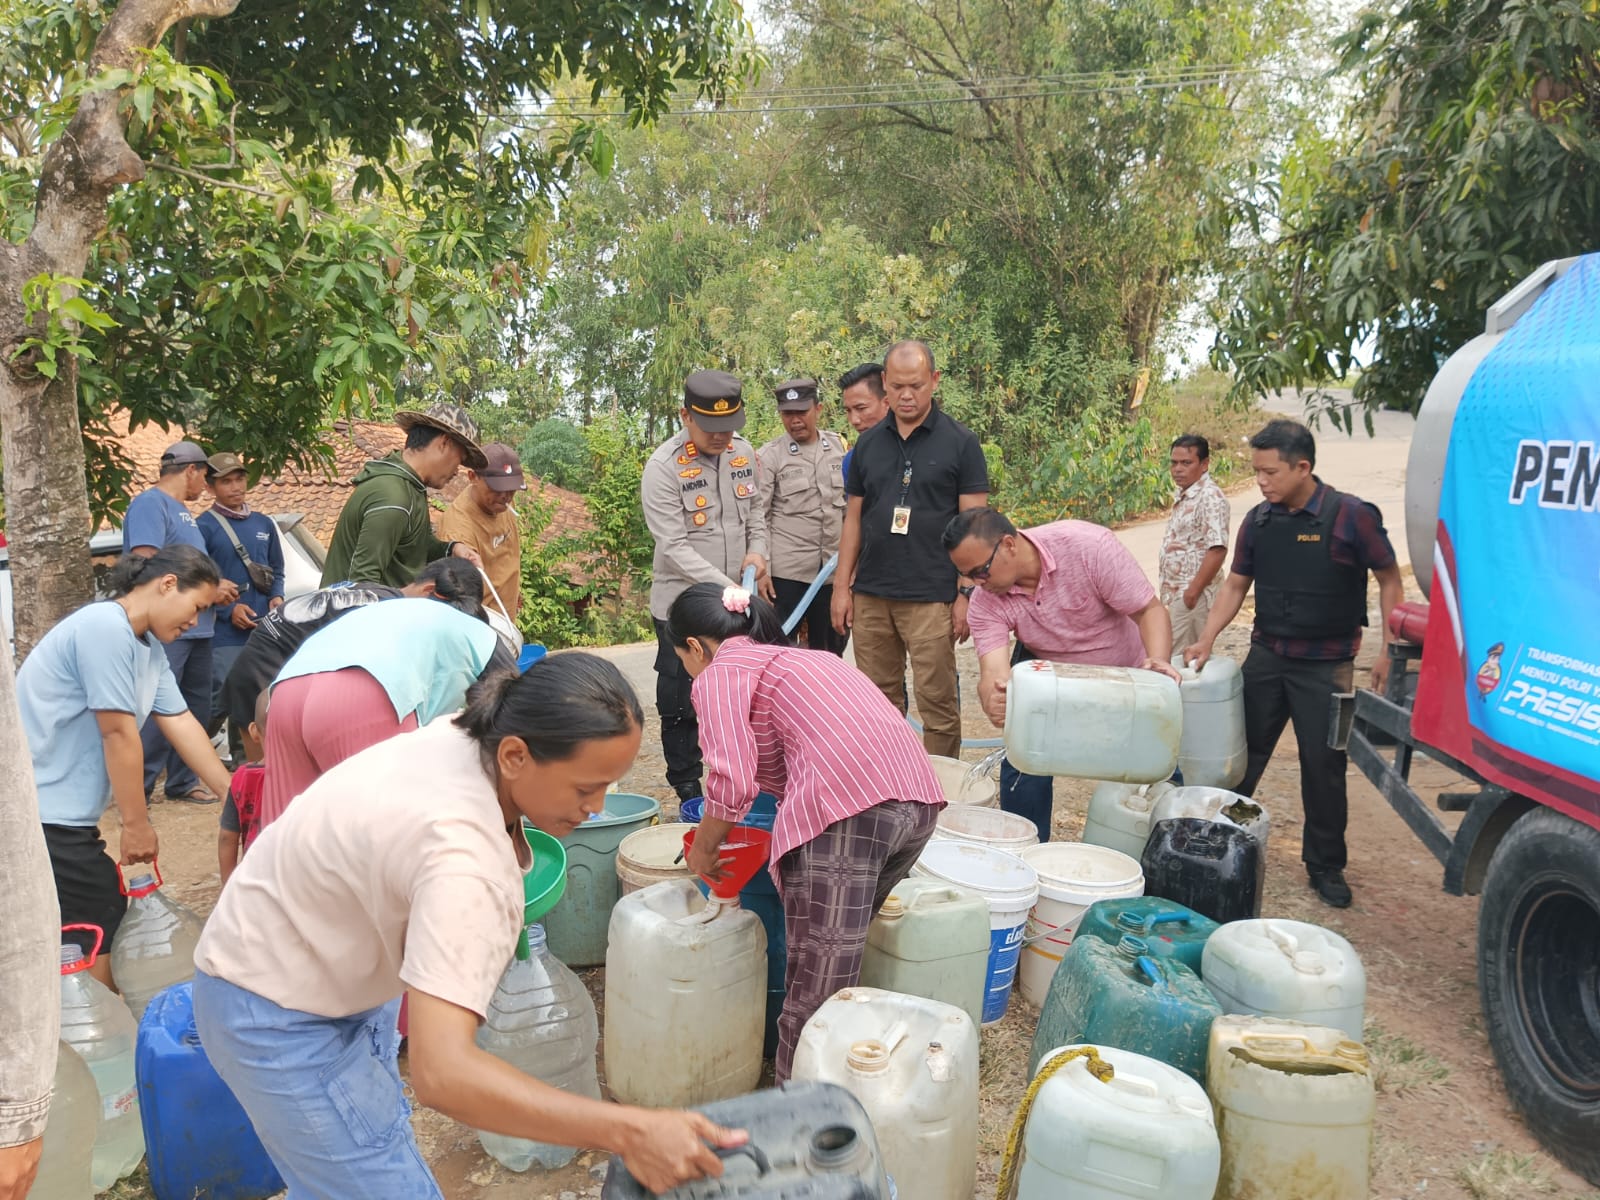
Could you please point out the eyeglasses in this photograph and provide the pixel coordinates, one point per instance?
(982, 573)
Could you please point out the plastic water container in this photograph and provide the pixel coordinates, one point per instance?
(1009, 886)
(1115, 723)
(1215, 804)
(961, 786)
(98, 1025)
(686, 992)
(1214, 869)
(913, 1064)
(1211, 752)
(1288, 969)
(1123, 996)
(541, 1021)
(200, 1141)
(930, 939)
(65, 1161)
(1145, 1132)
(1169, 929)
(650, 855)
(986, 827)
(154, 946)
(576, 927)
(1119, 815)
(808, 1141)
(1294, 1108)
(1072, 876)
(760, 896)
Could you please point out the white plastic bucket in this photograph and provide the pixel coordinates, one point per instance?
(1009, 885)
(650, 855)
(987, 827)
(1072, 876)
(961, 786)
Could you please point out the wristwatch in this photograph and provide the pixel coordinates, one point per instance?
(966, 589)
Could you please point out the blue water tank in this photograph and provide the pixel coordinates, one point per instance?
(198, 1141)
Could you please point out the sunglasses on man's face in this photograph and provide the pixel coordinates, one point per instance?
(980, 574)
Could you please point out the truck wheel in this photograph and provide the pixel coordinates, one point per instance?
(1539, 976)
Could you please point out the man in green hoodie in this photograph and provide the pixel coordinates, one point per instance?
(384, 533)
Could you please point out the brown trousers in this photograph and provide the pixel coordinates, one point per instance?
(886, 632)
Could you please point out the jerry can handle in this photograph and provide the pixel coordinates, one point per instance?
(99, 940)
(1147, 967)
(750, 1150)
(1285, 940)
(1170, 917)
(122, 880)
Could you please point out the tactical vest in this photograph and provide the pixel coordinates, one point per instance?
(1300, 591)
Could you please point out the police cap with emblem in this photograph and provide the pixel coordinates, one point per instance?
(796, 395)
(715, 400)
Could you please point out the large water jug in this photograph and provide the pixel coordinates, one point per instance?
(1214, 804)
(575, 928)
(200, 1142)
(808, 1141)
(686, 992)
(1212, 752)
(1122, 996)
(913, 1064)
(1213, 868)
(541, 1021)
(101, 1029)
(1169, 930)
(65, 1161)
(1072, 876)
(1141, 1129)
(930, 939)
(1294, 1109)
(1288, 969)
(1113, 723)
(1119, 815)
(1009, 886)
(154, 946)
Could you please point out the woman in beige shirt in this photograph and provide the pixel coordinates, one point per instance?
(400, 870)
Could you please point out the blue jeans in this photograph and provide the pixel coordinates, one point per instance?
(190, 660)
(1031, 796)
(323, 1093)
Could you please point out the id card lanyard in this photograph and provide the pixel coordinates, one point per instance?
(900, 522)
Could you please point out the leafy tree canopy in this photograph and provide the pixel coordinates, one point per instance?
(1469, 153)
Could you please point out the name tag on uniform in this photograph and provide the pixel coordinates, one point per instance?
(901, 522)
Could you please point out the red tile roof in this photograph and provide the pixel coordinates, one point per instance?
(320, 497)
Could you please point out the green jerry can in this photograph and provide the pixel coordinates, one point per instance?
(1170, 929)
(1124, 996)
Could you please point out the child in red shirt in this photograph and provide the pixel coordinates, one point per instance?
(241, 811)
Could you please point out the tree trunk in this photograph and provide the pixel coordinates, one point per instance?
(47, 501)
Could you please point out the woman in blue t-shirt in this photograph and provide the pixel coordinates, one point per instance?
(84, 692)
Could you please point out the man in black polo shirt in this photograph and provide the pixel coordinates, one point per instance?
(896, 589)
(1307, 549)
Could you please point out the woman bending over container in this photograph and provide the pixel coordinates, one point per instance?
(84, 692)
(401, 870)
(378, 671)
(857, 797)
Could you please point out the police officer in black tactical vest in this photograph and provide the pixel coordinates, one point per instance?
(1307, 549)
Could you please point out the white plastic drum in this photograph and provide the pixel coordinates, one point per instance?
(1009, 885)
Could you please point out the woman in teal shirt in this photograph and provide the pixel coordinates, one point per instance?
(84, 692)
(379, 671)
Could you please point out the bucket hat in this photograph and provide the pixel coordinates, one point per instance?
(452, 419)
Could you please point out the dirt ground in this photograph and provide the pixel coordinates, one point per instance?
(1445, 1129)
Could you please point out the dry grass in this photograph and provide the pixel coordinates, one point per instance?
(1400, 1067)
(1505, 1175)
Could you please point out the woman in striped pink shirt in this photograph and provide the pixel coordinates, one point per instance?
(857, 798)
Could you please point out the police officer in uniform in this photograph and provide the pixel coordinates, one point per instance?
(702, 502)
(802, 489)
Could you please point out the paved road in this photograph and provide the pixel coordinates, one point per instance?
(1370, 467)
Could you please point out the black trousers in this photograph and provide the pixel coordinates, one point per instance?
(680, 728)
(820, 634)
(1278, 690)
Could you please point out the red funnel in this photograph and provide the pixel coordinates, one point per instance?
(743, 852)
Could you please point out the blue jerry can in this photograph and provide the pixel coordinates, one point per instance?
(198, 1141)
